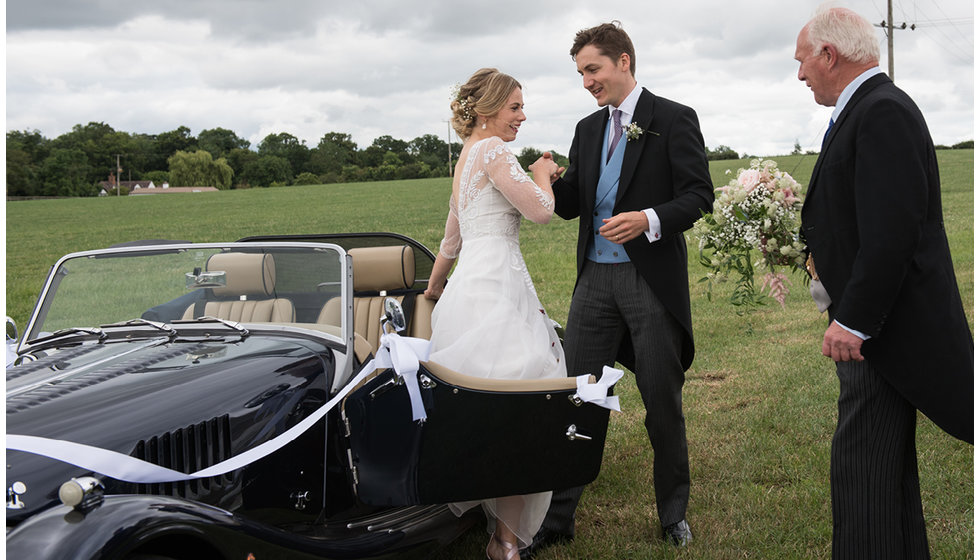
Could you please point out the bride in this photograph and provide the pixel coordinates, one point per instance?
(488, 322)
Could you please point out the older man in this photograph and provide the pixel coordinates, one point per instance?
(873, 224)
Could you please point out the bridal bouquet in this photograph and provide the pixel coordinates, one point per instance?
(754, 224)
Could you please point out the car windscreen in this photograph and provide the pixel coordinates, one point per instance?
(185, 282)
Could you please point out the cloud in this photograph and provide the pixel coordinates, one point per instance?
(377, 67)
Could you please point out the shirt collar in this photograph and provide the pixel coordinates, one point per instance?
(628, 106)
(845, 95)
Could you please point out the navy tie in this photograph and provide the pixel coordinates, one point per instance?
(617, 132)
(826, 134)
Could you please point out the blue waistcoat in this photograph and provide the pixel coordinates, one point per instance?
(600, 249)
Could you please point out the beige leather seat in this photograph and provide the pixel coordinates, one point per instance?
(250, 279)
(377, 271)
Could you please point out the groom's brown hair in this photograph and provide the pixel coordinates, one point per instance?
(609, 39)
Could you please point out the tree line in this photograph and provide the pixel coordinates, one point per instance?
(75, 163)
(78, 162)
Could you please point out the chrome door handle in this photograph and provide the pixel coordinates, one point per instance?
(572, 434)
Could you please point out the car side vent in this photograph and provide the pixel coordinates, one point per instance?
(187, 450)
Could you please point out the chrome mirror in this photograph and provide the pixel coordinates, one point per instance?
(11, 329)
(394, 316)
(211, 279)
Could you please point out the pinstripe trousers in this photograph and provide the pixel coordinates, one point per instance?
(612, 301)
(874, 475)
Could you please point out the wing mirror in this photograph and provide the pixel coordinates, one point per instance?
(11, 329)
(11, 345)
(394, 316)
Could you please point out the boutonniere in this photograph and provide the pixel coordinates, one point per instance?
(634, 131)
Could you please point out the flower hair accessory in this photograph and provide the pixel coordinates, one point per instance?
(463, 102)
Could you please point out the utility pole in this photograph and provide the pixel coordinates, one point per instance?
(118, 174)
(890, 28)
(449, 145)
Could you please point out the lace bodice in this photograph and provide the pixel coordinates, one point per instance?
(494, 191)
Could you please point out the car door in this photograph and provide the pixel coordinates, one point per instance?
(482, 438)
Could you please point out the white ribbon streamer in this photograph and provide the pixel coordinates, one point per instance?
(396, 351)
(402, 354)
(598, 393)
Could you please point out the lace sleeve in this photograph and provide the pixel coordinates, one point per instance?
(451, 240)
(509, 178)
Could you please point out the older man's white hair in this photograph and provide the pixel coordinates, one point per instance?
(851, 34)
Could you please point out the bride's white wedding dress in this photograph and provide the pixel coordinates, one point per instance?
(489, 322)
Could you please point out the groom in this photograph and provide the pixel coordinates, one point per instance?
(637, 179)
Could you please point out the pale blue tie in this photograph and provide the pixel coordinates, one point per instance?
(617, 132)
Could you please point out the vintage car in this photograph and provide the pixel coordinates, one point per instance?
(256, 399)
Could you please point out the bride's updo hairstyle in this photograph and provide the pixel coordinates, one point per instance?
(485, 94)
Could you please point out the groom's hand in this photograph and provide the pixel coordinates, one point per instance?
(557, 174)
(623, 227)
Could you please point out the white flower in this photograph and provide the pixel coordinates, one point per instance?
(633, 131)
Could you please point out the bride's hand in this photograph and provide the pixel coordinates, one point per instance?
(432, 293)
(544, 166)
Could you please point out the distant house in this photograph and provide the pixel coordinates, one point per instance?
(110, 185)
(168, 189)
(147, 187)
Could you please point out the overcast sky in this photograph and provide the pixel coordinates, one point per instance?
(376, 67)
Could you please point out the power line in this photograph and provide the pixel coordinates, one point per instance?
(948, 20)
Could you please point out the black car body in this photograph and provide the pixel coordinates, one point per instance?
(269, 352)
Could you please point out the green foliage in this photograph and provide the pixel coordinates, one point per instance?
(158, 177)
(335, 158)
(219, 142)
(334, 151)
(287, 147)
(721, 152)
(66, 172)
(527, 156)
(266, 170)
(306, 178)
(391, 145)
(198, 169)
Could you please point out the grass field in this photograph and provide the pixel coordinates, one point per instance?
(760, 400)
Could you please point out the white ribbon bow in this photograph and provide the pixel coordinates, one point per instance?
(598, 393)
(403, 354)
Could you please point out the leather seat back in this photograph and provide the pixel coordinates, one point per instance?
(250, 280)
(378, 271)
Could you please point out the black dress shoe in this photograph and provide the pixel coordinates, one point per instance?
(542, 540)
(678, 534)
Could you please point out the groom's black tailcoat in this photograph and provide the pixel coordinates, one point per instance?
(873, 223)
(666, 169)
(648, 328)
